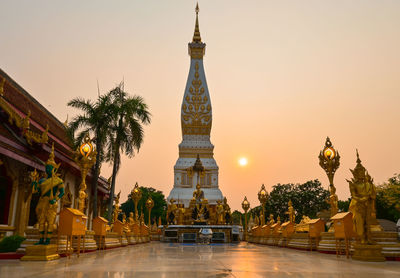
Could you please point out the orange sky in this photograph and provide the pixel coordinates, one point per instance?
(282, 76)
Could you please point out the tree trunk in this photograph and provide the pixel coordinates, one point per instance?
(115, 170)
(96, 177)
(114, 175)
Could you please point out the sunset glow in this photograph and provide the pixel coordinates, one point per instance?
(243, 161)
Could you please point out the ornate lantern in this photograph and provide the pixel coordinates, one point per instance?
(85, 157)
(136, 195)
(245, 207)
(149, 206)
(263, 198)
(329, 160)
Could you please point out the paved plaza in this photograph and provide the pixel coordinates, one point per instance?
(176, 260)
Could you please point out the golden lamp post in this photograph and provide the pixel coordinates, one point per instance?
(329, 160)
(85, 157)
(136, 195)
(149, 206)
(263, 198)
(245, 207)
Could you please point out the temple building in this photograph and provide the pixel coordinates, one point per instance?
(196, 120)
(27, 132)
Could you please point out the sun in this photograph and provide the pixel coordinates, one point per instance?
(243, 161)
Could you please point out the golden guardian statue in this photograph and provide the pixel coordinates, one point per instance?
(362, 205)
(51, 189)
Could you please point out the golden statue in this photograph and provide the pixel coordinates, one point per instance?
(271, 220)
(303, 226)
(198, 194)
(51, 189)
(278, 220)
(290, 212)
(220, 212)
(181, 215)
(201, 211)
(142, 220)
(171, 212)
(257, 221)
(227, 209)
(131, 219)
(116, 210)
(362, 203)
(333, 201)
(126, 228)
(82, 200)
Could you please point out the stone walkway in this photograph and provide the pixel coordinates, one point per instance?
(175, 260)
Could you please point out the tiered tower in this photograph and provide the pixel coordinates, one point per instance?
(196, 119)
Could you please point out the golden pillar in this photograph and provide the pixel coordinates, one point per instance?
(149, 206)
(245, 207)
(329, 160)
(85, 157)
(263, 198)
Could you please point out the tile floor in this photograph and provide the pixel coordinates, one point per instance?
(175, 260)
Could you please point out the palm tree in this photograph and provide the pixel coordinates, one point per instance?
(127, 133)
(95, 119)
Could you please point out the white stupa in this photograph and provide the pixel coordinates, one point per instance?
(196, 119)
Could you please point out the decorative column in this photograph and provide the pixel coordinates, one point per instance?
(136, 195)
(149, 206)
(263, 198)
(85, 157)
(329, 160)
(245, 207)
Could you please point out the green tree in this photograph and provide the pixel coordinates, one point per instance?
(95, 121)
(308, 199)
(159, 209)
(236, 216)
(279, 197)
(343, 206)
(388, 199)
(126, 136)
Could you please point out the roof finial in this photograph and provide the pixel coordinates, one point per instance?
(358, 157)
(196, 35)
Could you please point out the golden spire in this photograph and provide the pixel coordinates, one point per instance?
(66, 122)
(51, 161)
(196, 35)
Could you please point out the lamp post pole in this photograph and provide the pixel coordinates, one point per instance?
(136, 195)
(263, 198)
(329, 160)
(149, 206)
(85, 157)
(245, 207)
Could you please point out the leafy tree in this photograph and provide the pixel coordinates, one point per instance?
(95, 121)
(126, 136)
(279, 197)
(236, 216)
(344, 205)
(159, 209)
(388, 199)
(308, 199)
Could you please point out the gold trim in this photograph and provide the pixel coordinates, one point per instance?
(3, 81)
(196, 35)
(22, 123)
(196, 111)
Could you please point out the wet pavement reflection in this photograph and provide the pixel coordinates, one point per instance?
(190, 260)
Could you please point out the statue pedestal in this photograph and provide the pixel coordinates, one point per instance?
(41, 253)
(369, 253)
